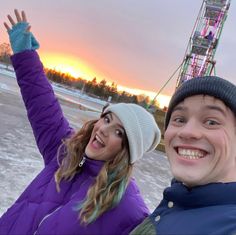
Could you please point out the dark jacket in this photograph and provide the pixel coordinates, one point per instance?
(208, 209)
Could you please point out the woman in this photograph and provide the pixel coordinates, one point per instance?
(85, 186)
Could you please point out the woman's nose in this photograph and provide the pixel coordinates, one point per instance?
(104, 130)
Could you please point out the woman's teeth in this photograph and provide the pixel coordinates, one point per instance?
(99, 140)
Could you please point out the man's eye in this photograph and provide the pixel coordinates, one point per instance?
(179, 120)
(211, 122)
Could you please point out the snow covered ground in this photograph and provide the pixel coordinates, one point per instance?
(20, 160)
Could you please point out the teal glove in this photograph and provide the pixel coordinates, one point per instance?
(21, 39)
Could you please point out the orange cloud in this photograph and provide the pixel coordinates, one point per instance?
(163, 100)
(67, 64)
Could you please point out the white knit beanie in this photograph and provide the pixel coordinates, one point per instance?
(140, 126)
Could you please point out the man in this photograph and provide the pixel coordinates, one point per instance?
(200, 142)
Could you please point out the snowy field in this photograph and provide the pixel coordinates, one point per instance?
(20, 160)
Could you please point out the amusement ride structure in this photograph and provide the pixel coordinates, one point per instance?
(200, 52)
(199, 55)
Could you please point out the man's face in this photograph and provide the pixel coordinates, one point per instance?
(200, 141)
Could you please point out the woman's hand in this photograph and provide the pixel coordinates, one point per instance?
(21, 38)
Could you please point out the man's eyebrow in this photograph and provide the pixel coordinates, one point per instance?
(207, 107)
(179, 108)
(217, 108)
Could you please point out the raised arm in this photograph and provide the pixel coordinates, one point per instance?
(44, 112)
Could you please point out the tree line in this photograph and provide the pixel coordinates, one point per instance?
(94, 88)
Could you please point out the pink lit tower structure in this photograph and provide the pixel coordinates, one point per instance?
(199, 56)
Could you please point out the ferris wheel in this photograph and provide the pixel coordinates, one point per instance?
(202, 45)
(199, 55)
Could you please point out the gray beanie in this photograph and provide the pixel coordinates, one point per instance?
(208, 85)
(140, 126)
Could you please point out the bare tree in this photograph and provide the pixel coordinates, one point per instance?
(5, 53)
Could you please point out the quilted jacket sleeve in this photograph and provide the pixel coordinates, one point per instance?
(44, 112)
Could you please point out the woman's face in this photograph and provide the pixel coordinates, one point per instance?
(106, 138)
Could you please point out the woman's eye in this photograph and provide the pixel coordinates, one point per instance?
(119, 133)
(106, 119)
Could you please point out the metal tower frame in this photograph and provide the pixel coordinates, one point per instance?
(202, 45)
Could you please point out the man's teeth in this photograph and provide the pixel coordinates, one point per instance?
(190, 153)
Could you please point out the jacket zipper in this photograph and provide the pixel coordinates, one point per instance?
(45, 217)
(82, 162)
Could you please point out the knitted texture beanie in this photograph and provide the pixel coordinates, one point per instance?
(208, 85)
(140, 126)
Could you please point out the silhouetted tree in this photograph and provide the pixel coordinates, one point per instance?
(5, 53)
(99, 89)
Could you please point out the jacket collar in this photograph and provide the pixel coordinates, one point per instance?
(92, 166)
(200, 196)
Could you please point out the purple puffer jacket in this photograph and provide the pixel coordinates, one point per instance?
(41, 209)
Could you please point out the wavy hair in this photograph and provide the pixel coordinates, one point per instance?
(111, 182)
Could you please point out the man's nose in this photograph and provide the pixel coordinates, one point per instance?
(190, 130)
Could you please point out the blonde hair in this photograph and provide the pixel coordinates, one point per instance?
(111, 182)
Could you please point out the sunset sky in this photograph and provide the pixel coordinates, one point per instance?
(135, 43)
